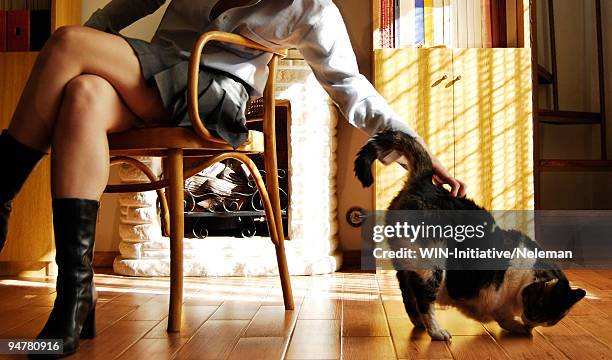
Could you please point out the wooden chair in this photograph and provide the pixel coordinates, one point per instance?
(198, 147)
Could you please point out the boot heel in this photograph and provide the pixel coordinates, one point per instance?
(89, 326)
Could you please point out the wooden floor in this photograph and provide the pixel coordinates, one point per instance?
(344, 315)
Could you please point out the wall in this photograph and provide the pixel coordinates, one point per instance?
(350, 193)
(578, 91)
(358, 19)
(142, 29)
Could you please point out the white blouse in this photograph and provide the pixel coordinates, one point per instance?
(315, 27)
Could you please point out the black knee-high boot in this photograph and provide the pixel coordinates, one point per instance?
(17, 161)
(73, 314)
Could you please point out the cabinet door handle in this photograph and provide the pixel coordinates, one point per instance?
(439, 81)
(453, 82)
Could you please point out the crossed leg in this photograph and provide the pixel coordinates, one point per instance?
(84, 85)
(91, 108)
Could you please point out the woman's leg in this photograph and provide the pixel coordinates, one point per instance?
(73, 51)
(91, 108)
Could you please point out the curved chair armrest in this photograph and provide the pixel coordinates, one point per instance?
(194, 70)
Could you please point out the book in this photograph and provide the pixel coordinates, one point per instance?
(40, 28)
(485, 10)
(495, 35)
(448, 24)
(477, 23)
(2, 30)
(392, 23)
(438, 22)
(396, 23)
(387, 23)
(428, 22)
(18, 5)
(407, 23)
(377, 21)
(455, 21)
(18, 30)
(469, 20)
(419, 14)
(503, 33)
(520, 23)
(511, 24)
(462, 23)
(382, 23)
(38, 5)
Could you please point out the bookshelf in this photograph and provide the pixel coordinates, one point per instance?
(472, 104)
(29, 248)
(451, 23)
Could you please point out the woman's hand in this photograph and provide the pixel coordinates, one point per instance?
(442, 176)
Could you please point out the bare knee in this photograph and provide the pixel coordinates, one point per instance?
(67, 41)
(83, 105)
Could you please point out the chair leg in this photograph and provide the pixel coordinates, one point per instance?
(165, 212)
(273, 218)
(177, 229)
(271, 166)
(279, 242)
(283, 270)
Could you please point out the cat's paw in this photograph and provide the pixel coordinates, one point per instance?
(521, 330)
(516, 328)
(440, 335)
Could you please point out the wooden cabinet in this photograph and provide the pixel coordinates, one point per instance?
(474, 109)
(493, 126)
(413, 82)
(29, 247)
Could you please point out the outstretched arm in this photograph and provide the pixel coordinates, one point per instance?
(327, 49)
(119, 14)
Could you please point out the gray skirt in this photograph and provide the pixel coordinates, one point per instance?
(222, 98)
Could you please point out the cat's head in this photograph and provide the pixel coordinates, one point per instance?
(545, 303)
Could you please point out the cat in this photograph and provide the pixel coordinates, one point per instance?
(518, 299)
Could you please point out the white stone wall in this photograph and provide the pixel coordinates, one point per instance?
(139, 220)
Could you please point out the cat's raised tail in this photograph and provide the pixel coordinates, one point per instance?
(381, 144)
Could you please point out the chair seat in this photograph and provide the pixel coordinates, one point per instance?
(155, 141)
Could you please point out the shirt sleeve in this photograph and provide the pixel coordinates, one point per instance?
(327, 48)
(119, 14)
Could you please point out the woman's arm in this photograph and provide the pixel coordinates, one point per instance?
(327, 49)
(118, 14)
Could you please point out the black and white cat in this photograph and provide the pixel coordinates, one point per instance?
(518, 299)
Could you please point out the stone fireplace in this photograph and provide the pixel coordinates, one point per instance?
(312, 245)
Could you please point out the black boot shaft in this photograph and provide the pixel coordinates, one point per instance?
(72, 317)
(17, 162)
(74, 224)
